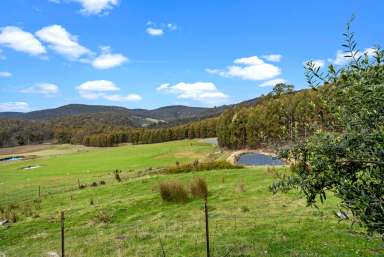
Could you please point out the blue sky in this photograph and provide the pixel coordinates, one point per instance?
(147, 54)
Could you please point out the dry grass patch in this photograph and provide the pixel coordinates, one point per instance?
(173, 191)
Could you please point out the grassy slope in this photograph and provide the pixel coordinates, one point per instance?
(58, 170)
(272, 226)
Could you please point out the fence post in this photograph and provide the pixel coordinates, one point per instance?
(206, 225)
(39, 191)
(62, 234)
(162, 248)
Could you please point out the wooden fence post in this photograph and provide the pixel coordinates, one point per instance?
(39, 191)
(206, 225)
(62, 235)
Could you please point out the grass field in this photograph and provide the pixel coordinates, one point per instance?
(130, 219)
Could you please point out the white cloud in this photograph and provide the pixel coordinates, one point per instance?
(249, 68)
(119, 98)
(93, 7)
(205, 92)
(370, 51)
(61, 41)
(273, 57)
(317, 63)
(340, 58)
(96, 89)
(2, 57)
(171, 26)
(46, 89)
(107, 60)
(272, 83)
(5, 74)
(20, 40)
(154, 31)
(14, 107)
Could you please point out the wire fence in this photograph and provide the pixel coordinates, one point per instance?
(31, 192)
(230, 235)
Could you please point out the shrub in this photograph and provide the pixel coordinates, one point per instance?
(94, 184)
(102, 217)
(241, 188)
(200, 166)
(173, 191)
(199, 188)
(11, 215)
(91, 202)
(244, 208)
(82, 186)
(116, 174)
(102, 182)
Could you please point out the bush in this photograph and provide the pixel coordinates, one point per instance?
(116, 174)
(200, 166)
(102, 182)
(173, 191)
(102, 217)
(199, 188)
(94, 184)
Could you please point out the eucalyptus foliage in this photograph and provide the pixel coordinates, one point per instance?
(348, 159)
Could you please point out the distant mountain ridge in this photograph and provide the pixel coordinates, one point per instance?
(136, 117)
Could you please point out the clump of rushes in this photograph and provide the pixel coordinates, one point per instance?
(199, 188)
(200, 166)
(102, 217)
(173, 191)
(116, 174)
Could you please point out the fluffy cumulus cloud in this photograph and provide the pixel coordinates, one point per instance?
(93, 7)
(205, 92)
(156, 30)
(104, 89)
(46, 89)
(272, 82)
(62, 42)
(273, 57)
(317, 63)
(248, 68)
(14, 107)
(20, 40)
(120, 98)
(107, 60)
(5, 74)
(341, 59)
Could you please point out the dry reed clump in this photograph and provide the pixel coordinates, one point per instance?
(102, 217)
(241, 188)
(173, 191)
(116, 174)
(200, 166)
(199, 188)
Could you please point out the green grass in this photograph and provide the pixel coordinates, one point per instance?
(245, 218)
(92, 164)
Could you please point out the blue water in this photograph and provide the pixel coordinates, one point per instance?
(258, 159)
(212, 141)
(13, 158)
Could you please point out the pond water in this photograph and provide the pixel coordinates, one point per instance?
(212, 141)
(258, 159)
(12, 158)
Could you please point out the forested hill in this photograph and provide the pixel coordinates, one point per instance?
(138, 117)
(75, 122)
